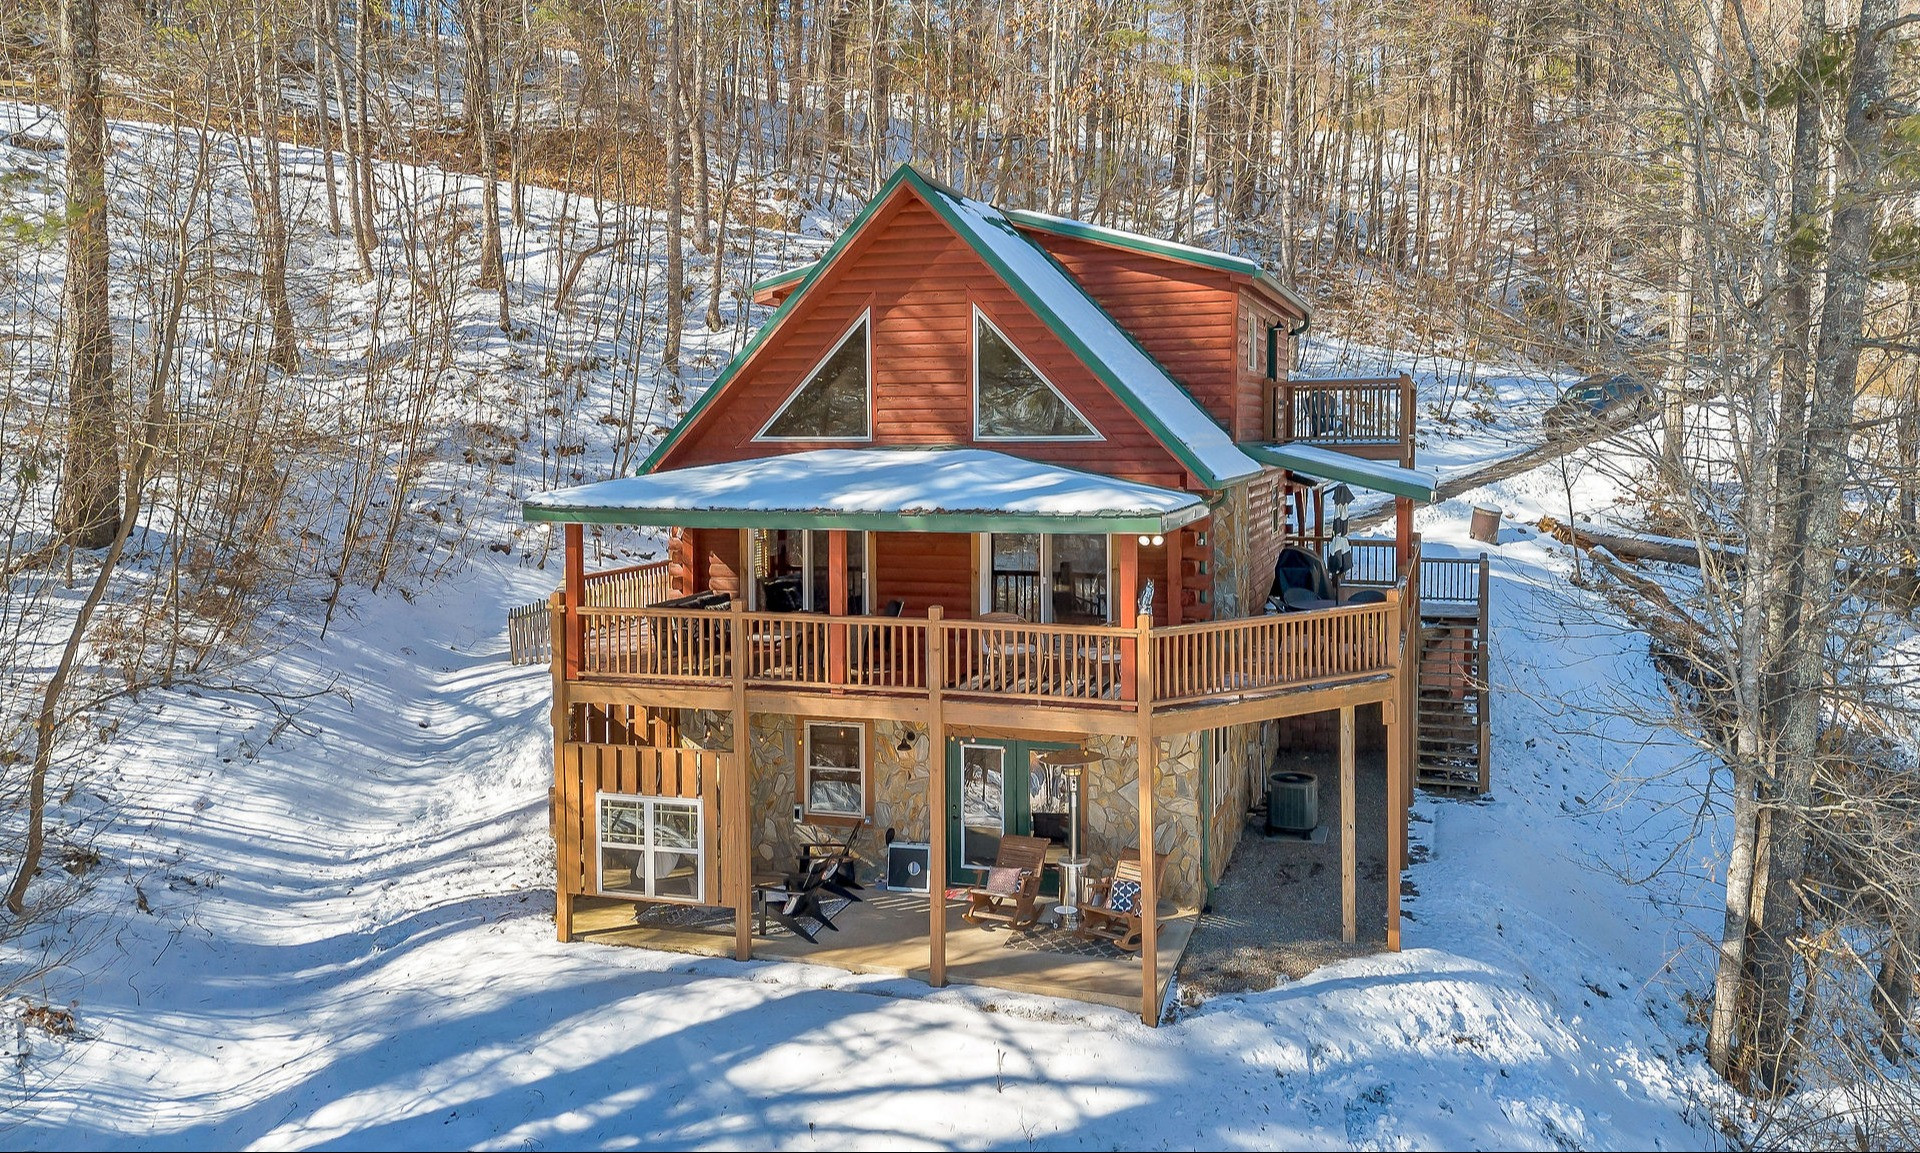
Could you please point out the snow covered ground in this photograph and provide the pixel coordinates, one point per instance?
(337, 931)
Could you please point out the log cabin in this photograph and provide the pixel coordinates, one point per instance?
(986, 485)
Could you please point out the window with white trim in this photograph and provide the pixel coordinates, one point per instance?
(1011, 399)
(652, 847)
(835, 401)
(833, 757)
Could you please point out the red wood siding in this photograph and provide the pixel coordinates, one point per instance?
(924, 569)
(1183, 315)
(921, 282)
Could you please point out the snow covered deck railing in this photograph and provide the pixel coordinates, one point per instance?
(1370, 416)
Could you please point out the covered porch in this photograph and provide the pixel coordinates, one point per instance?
(886, 933)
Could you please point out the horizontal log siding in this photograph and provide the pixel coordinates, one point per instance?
(716, 559)
(925, 569)
(1183, 315)
(921, 281)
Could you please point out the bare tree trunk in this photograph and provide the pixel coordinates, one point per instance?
(283, 353)
(479, 102)
(675, 318)
(89, 511)
(1814, 542)
(323, 98)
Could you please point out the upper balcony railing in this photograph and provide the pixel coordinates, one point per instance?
(1017, 662)
(1370, 416)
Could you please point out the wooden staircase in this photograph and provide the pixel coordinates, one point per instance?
(1451, 733)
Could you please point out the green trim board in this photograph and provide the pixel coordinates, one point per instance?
(1317, 463)
(790, 276)
(960, 522)
(1174, 417)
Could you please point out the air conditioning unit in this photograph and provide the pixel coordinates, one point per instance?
(1293, 802)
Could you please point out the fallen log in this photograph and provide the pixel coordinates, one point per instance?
(1633, 548)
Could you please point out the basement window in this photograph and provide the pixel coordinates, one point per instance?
(652, 847)
(834, 757)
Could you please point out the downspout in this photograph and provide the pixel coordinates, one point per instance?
(1207, 756)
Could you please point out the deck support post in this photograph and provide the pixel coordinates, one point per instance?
(1129, 598)
(558, 715)
(1175, 591)
(735, 837)
(1149, 874)
(1349, 851)
(1393, 710)
(936, 801)
(837, 605)
(575, 569)
(1402, 530)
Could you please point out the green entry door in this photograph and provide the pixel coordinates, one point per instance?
(995, 788)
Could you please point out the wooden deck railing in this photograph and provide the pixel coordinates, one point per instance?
(1037, 663)
(1375, 561)
(529, 630)
(1259, 654)
(1361, 412)
(633, 587)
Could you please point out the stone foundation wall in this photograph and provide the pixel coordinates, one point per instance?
(1110, 816)
(899, 784)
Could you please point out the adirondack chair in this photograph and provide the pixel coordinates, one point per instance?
(1011, 895)
(1111, 910)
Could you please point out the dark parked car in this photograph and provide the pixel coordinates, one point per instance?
(1595, 403)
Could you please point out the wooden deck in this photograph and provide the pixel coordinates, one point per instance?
(886, 934)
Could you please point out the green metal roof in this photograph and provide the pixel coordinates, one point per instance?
(1318, 463)
(1136, 380)
(1118, 238)
(1154, 246)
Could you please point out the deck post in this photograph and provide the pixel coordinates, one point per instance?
(735, 837)
(1349, 852)
(562, 851)
(837, 605)
(1393, 711)
(1129, 597)
(1482, 689)
(1402, 530)
(1149, 874)
(1175, 607)
(575, 568)
(936, 800)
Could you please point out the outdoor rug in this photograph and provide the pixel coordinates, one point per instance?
(1047, 939)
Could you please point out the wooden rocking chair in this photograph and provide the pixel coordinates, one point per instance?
(1011, 895)
(1111, 911)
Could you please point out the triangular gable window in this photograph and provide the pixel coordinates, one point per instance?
(834, 402)
(1011, 400)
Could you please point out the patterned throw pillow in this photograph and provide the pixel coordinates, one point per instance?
(1005, 880)
(1124, 897)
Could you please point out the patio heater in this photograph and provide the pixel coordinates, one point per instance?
(1073, 868)
(1339, 548)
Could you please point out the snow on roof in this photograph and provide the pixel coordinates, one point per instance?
(934, 490)
(1330, 464)
(1154, 396)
